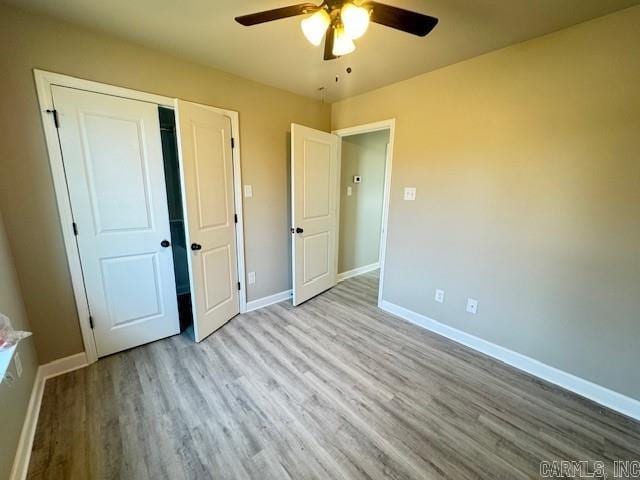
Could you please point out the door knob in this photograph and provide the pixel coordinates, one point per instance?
(196, 246)
(165, 243)
(299, 230)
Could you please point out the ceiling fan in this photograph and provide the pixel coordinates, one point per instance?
(343, 21)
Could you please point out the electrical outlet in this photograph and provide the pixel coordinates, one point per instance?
(472, 305)
(349, 191)
(248, 191)
(251, 278)
(410, 193)
(18, 363)
(439, 296)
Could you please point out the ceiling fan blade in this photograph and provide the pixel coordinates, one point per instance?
(328, 44)
(401, 19)
(276, 14)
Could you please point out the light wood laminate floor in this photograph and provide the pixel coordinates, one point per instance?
(335, 388)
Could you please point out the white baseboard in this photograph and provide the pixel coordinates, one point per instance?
(358, 271)
(270, 300)
(63, 365)
(601, 395)
(25, 443)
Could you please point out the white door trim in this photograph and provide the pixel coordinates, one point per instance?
(390, 125)
(44, 80)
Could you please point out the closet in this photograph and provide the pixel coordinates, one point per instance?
(150, 191)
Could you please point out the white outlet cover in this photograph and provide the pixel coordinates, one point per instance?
(410, 193)
(439, 296)
(251, 278)
(472, 305)
(349, 191)
(248, 191)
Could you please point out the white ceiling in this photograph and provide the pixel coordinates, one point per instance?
(277, 54)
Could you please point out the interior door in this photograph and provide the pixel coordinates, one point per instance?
(205, 148)
(113, 161)
(314, 211)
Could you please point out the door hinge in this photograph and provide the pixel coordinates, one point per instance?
(91, 322)
(235, 217)
(56, 120)
(238, 286)
(75, 228)
(233, 142)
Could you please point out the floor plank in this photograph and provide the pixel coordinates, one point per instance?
(335, 388)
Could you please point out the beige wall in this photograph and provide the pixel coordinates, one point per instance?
(14, 395)
(361, 213)
(26, 190)
(527, 168)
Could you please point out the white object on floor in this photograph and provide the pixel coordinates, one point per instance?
(9, 339)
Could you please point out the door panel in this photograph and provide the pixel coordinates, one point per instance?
(314, 195)
(316, 256)
(218, 265)
(116, 158)
(205, 145)
(132, 287)
(211, 175)
(316, 181)
(113, 161)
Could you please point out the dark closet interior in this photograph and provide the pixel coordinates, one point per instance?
(176, 214)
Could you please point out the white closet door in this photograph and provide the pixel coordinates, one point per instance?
(113, 161)
(314, 198)
(205, 147)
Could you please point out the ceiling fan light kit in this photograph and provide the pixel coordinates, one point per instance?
(315, 26)
(342, 42)
(340, 22)
(355, 20)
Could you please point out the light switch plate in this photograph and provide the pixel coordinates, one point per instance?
(439, 296)
(349, 191)
(410, 193)
(472, 305)
(251, 278)
(248, 191)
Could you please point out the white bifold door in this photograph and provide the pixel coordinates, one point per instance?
(314, 204)
(205, 147)
(113, 162)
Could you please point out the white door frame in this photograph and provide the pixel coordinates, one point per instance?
(44, 80)
(390, 125)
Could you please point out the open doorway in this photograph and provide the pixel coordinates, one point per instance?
(362, 191)
(362, 174)
(365, 179)
(329, 243)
